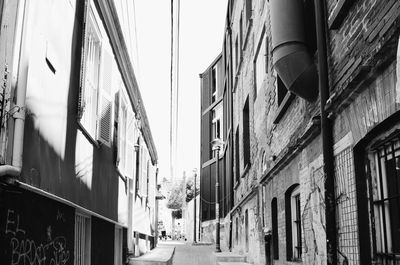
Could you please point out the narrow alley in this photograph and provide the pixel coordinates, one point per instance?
(212, 132)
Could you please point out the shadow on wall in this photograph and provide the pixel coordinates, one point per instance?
(44, 168)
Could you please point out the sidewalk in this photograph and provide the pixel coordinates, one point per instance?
(188, 254)
(161, 255)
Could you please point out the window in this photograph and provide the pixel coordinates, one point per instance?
(275, 234)
(143, 166)
(91, 74)
(123, 116)
(137, 173)
(236, 53)
(283, 96)
(95, 113)
(246, 227)
(126, 135)
(309, 24)
(281, 90)
(82, 239)
(293, 223)
(264, 162)
(241, 35)
(214, 84)
(386, 201)
(237, 157)
(260, 63)
(217, 128)
(249, 7)
(237, 230)
(147, 177)
(246, 133)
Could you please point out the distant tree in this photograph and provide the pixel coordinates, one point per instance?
(176, 196)
(190, 189)
(177, 214)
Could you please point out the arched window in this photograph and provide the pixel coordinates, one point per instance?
(293, 223)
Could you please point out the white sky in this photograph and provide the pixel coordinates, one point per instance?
(201, 35)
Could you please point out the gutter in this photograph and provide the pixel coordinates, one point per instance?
(18, 85)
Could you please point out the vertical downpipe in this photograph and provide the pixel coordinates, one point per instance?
(327, 135)
(20, 86)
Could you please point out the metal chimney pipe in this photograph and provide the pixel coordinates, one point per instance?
(291, 58)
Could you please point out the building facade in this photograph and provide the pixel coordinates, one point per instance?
(215, 123)
(78, 162)
(304, 175)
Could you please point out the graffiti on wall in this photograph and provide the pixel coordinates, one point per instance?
(25, 250)
(35, 230)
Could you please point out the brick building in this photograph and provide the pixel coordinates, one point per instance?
(78, 164)
(304, 175)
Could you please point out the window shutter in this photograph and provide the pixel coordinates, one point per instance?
(116, 127)
(130, 144)
(105, 106)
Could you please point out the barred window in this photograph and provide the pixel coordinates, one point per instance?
(386, 197)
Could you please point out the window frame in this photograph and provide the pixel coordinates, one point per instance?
(246, 141)
(214, 84)
(95, 103)
(293, 226)
(295, 205)
(275, 230)
(88, 120)
(285, 101)
(216, 123)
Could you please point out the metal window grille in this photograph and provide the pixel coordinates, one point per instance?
(82, 236)
(118, 246)
(346, 207)
(386, 197)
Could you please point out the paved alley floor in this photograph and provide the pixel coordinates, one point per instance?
(186, 254)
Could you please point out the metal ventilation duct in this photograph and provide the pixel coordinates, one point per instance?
(291, 58)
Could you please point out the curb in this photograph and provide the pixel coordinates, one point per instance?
(202, 244)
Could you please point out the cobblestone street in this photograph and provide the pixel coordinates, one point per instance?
(186, 254)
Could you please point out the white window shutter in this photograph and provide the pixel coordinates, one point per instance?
(130, 145)
(105, 107)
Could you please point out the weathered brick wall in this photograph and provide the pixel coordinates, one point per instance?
(257, 116)
(273, 139)
(357, 44)
(305, 169)
(207, 233)
(254, 226)
(365, 92)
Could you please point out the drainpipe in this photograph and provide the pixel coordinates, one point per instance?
(326, 131)
(18, 84)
